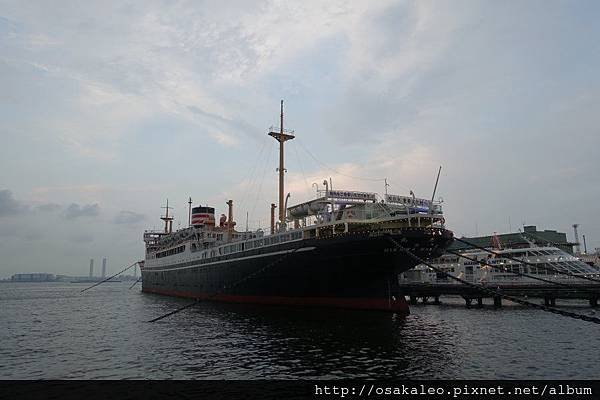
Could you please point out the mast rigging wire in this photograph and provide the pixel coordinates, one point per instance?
(336, 171)
(251, 174)
(259, 191)
(301, 168)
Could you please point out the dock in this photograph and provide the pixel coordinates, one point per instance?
(431, 293)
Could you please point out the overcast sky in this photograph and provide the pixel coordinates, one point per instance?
(107, 109)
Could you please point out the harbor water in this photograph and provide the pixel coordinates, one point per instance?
(52, 331)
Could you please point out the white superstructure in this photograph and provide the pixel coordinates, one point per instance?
(543, 262)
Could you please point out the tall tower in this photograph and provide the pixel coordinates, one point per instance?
(282, 137)
(577, 246)
(104, 267)
(91, 268)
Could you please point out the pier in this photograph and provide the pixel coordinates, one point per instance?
(430, 293)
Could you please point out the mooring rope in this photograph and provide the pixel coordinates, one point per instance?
(135, 283)
(496, 293)
(245, 278)
(109, 278)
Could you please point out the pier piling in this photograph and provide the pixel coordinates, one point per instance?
(432, 294)
(497, 301)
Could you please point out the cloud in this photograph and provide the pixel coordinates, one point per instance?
(75, 211)
(49, 207)
(128, 217)
(81, 238)
(8, 205)
(32, 236)
(386, 89)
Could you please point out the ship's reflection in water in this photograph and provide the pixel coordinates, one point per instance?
(248, 341)
(52, 331)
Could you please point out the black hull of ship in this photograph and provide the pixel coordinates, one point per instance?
(356, 270)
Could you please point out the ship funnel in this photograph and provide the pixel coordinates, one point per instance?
(203, 216)
(230, 222)
(577, 245)
(273, 206)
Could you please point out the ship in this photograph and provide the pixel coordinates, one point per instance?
(516, 266)
(331, 251)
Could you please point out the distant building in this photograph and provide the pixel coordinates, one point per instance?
(33, 277)
(520, 239)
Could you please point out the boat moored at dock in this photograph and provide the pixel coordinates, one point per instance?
(333, 250)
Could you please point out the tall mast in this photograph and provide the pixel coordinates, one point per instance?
(190, 212)
(168, 220)
(281, 137)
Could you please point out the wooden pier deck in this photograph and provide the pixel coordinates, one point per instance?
(427, 291)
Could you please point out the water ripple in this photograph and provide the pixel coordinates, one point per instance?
(50, 331)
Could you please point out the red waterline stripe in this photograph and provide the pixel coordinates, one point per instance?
(399, 305)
